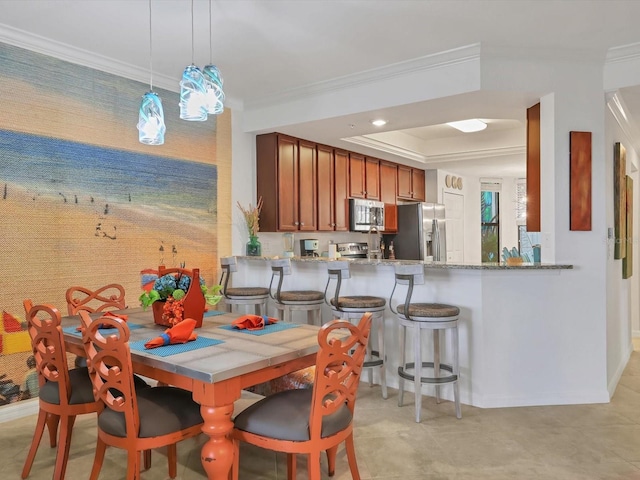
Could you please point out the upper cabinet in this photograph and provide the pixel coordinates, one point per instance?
(388, 194)
(364, 177)
(333, 178)
(411, 184)
(306, 186)
(286, 167)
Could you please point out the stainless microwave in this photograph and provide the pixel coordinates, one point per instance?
(365, 214)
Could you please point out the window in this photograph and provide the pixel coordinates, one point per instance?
(490, 222)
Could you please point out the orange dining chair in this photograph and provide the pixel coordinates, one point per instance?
(133, 420)
(63, 393)
(108, 297)
(310, 421)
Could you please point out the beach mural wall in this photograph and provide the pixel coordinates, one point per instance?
(82, 202)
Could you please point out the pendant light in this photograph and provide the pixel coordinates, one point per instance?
(215, 94)
(151, 127)
(193, 89)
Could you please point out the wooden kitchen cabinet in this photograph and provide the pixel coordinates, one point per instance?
(333, 177)
(388, 194)
(411, 184)
(364, 177)
(287, 183)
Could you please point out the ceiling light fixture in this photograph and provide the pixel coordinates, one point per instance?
(379, 123)
(193, 89)
(468, 126)
(151, 127)
(213, 78)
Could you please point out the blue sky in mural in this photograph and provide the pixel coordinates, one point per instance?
(52, 166)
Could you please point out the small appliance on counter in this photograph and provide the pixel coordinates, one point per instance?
(309, 247)
(288, 244)
(353, 250)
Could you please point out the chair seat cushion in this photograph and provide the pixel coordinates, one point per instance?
(246, 291)
(285, 416)
(359, 301)
(81, 388)
(162, 410)
(301, 296)
(435, 310)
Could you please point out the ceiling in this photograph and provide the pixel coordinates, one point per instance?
(266, 47)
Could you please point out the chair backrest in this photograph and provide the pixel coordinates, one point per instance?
(110, 368)
(338, 368)
(228, 265)
(109, 297)
(337, 270)
(47, 343)
(279, 268)
(409, 275)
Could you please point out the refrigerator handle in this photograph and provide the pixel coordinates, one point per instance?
(436, 241)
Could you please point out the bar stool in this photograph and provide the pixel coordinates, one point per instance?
(352, 308)
(425, 316)
(248, 296)
(288, 301)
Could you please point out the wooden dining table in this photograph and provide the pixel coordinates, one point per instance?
(215, 374)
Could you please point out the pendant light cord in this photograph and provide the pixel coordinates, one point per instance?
(192, 42)
(210, 37)
(150, 51)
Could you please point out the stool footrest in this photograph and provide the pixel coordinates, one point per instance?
(431, 380)
(376, 361)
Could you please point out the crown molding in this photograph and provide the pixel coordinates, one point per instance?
(478, 154)
(386, 147)
(426, 159)
(428, 62)
(619, 110)
(62, 51)
(623, 53)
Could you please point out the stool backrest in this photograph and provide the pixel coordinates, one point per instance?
(279, 267)
(409, 275)
(337, 270)
(228, 265)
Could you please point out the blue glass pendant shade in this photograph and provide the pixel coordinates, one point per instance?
(193, 91)
(151, 127)
(215, 94)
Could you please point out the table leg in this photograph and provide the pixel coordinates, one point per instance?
(217, 453)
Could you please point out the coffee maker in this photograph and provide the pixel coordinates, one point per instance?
(309, 247)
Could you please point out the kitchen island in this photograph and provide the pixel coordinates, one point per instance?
(517, 324)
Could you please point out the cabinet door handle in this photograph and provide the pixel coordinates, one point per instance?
(296, 223)
(302, 224)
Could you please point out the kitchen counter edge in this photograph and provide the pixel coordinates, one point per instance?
(443, 266)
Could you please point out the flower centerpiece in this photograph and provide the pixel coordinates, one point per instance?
(252, 220)
(179, 300)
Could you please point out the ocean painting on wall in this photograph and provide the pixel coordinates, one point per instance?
(82, 202)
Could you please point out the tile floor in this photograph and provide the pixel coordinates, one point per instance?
(557, 442)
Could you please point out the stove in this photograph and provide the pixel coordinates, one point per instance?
(353, 250)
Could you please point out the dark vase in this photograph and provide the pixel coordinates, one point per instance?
(254, 248)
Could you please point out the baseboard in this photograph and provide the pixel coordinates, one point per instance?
(613, 383)
(17, 410)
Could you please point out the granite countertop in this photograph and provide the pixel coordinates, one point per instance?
(438, 265)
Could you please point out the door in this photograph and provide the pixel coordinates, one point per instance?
(287, 183)
(454, 211)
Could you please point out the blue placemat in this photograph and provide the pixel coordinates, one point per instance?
(213, 313)
(167, 350)
(273, 327)
(103, 331)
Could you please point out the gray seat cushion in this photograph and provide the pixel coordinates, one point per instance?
(301, 296)
(247, 291)
(81, 388)
(434, 310)
(285, 416)
(359, 301)
(162, 410)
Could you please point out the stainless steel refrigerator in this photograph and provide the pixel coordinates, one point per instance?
(421, 232)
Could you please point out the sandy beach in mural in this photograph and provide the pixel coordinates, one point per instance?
(99, 247)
